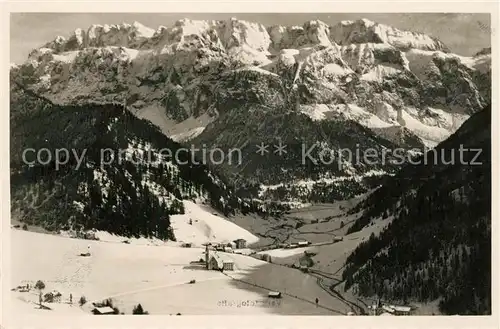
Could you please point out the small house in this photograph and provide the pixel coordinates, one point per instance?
(103, 310)
(274, 294)
(240, 243)
(402, 310)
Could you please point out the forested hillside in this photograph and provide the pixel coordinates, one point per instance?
(134, 194)
(438, 245)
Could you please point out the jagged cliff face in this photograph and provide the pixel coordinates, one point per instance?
(179, 73)
(403, 86)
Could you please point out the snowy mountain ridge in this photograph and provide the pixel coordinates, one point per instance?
(240, 33)
(169, 67)
(196, 79)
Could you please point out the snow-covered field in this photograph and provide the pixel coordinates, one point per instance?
(207, 226)
(155, 276)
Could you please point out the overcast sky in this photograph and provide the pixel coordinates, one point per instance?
(464, 34)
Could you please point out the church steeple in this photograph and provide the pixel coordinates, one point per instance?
(207, 257)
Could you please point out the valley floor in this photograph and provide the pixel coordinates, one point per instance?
(157, 277)
(156, 274)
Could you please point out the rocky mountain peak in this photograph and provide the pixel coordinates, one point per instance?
(239, 33)
(372, 73)
(366, 31)
(314, 32)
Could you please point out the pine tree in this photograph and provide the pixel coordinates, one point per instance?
(138, 309)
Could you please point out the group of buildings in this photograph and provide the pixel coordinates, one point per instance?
(214, 260)
(231, 246)
(384, 309)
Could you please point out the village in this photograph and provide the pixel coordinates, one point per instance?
(225, 258)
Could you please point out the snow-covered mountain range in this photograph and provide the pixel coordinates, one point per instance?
(195, 78)
(354, 69)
